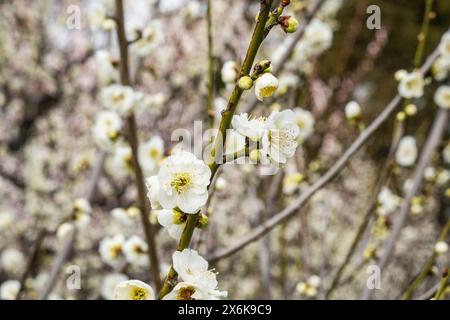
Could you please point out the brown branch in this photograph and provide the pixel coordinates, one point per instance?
(134, 144)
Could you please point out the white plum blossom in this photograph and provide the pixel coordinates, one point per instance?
(305, 121)
(388, 202)
(106, 73)
(441, 68)
(199, 283)
(81, 212)
(150, 154)
(430, 173)
(13, 261)
(173, 221)
(229, 72)
(111, 249)
(406, 153)
(189, 264)
(154, 100)
(286, 81)
(110, 282)
(152, 184)
(221, 183)
(183, 181)
(352, 110)
(280, 141)
(170, 6)
(318, 37)
(150, 40)
(441, 247)
(96, 15)
(443, 177)
(125, 216)
(310, 287)
(411, 85)
(135, 251)
(133, 290)
(6, 220)
(446, 153)
(9, 289)
(254, 129)
(442, 97)
(444, 45)
(64, 230)
(107, 129)
(193, 291)
(193, 10)
(121, 99)
(265, 86)
(122, 160)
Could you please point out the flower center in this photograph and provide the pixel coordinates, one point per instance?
(139, 294)
(153, 153)
(181, 182)
(138, 249)
(186, 293)
(267, 91)
(115, 250)
(283, 139)
(118, 97)
(128, 159)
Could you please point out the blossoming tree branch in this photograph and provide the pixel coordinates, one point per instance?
(283, 147)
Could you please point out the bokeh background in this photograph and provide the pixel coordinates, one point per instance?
(49, 86)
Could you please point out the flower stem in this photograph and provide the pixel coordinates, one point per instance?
(255, 42)
(134, 144)
(443, 285)
(258, 36)
(427, 16)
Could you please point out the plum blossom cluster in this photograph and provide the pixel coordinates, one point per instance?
(197, 282)
(114, 250)
(277, 134)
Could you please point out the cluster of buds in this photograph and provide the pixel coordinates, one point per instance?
(265, 82)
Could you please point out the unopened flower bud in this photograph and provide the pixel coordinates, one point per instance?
(400, 74)
(202, 221)
(352, 111)
(245, 83)
(289, 24)
(441, 247)
(411, 109)
(265, 86)
(401, 116)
